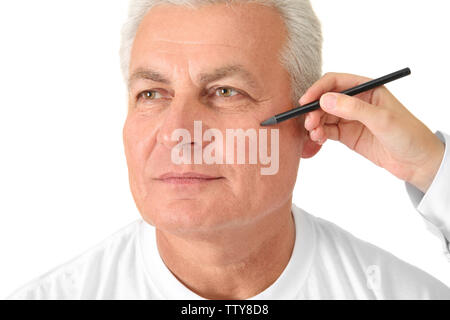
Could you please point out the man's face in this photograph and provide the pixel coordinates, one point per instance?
(184, 45)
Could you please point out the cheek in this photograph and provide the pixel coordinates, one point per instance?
(292, 138)
(260, 191)
(139, 138)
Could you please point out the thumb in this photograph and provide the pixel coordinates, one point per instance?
(350, 108)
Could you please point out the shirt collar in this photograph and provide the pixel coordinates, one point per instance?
(286, 287)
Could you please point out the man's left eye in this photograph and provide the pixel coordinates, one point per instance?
(226, 92)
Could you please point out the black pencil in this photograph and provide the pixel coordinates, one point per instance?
(350, 92)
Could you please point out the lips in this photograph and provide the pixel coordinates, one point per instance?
(187, 178)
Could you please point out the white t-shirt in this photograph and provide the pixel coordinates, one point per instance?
(326, 263)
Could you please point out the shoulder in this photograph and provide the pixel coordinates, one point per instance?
(366, 267)
(67, 280)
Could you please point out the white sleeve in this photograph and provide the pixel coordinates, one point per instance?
(434, 205)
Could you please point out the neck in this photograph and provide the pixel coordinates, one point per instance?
(236, 264)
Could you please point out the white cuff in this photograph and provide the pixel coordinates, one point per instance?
(434, 205)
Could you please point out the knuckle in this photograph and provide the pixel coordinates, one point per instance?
(330, 74)
(353, 104)
(346, 103)
(385, 118)
(356, 104)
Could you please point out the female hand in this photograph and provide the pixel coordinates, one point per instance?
(376, 125)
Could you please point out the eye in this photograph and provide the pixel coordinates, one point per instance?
(148, 95)
(226, 92)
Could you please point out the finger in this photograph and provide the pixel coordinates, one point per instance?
(323, 119)
(332, 131)
(318, 118)
(312, 119)
(331, 82)
(318, 135)
(351, 108)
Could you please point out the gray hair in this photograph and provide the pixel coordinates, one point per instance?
(301, 55)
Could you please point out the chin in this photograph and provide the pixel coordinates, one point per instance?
(186, 216)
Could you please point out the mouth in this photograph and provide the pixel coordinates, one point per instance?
(187, 178)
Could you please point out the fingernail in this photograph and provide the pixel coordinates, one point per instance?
(328, 101)
(300, 100)
(306, 121)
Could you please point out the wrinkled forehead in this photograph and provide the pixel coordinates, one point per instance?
(214, 31)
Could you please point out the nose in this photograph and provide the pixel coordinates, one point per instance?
(182, 114)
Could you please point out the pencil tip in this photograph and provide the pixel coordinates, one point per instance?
(269, 122)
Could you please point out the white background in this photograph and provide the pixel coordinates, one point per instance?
(63, 175)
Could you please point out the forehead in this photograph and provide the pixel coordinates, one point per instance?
(214, 32)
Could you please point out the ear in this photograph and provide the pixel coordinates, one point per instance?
(310, 148)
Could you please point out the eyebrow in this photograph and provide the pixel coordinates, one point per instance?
(203, 78)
